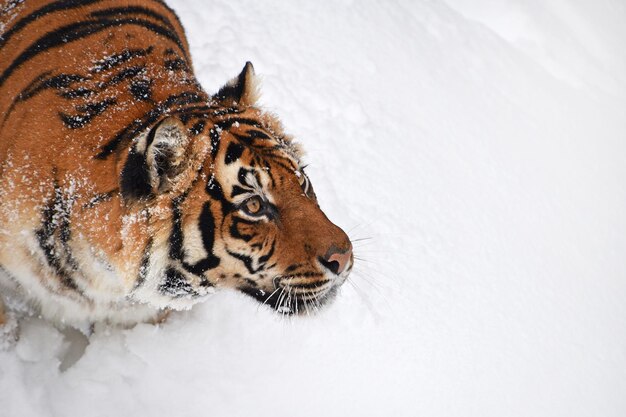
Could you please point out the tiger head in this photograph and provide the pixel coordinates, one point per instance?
(233, 208)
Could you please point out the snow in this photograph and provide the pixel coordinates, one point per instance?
(481, 146)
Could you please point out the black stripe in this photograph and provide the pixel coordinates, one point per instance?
(176, 236)
(20, 97)
(54, 238)
(124, 74)
(251, 283)
(198, 109)
(233, 153)
(191, 114)
(207, 229)
(292, 268)
(77, 31)
(135, 183)
(197, 128)
(243, 138)
(77, 93)
(86, 113)
(39, 13)
(144, 267)
(141, 89)
(33, 85)
(125, 11)
(175, 64)
(42, 82)
(247, 261)
(176, 285)
(214, 189)
(309, 285)
(277, 160)
(306, 275)
(172, 12)
(221, 111)
(234, 229)
(215, 136)
(185, 118)
(139, 125)
(228, 123)
(152, 134)
(237, 190)
(242, 177)
(268, 171)
(99, 198)
(256, 134)
(263, 259)
(118, 59)
(122, 11)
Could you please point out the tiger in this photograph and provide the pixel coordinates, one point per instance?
(127, 191)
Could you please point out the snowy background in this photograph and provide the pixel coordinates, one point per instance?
(481, 145)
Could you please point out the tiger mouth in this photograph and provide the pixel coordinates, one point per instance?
(293, 300)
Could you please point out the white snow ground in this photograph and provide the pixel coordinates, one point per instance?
(482, 146)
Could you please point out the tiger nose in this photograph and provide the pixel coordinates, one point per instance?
(336, 260)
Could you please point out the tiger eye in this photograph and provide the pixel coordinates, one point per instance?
(253, 205)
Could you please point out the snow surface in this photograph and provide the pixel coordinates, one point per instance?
(481, 145)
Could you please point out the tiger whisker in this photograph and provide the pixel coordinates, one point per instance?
(375, 285)
(350, 230)
(270, 296)
(361, 239)
(289, 300)
(365, 299)
(358, 225)
(279, 303)
(287, 305)
(369, 279)
(297, 310)
(316, 302)
(369, 267)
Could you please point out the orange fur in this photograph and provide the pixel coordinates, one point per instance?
(111, 154)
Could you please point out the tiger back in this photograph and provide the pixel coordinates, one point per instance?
(126, 189)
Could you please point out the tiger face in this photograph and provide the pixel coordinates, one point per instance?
(282, 249)
(245, 215)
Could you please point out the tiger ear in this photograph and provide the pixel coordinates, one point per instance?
(241, 91)
(155, 160)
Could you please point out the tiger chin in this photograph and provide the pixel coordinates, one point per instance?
(126, 190)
